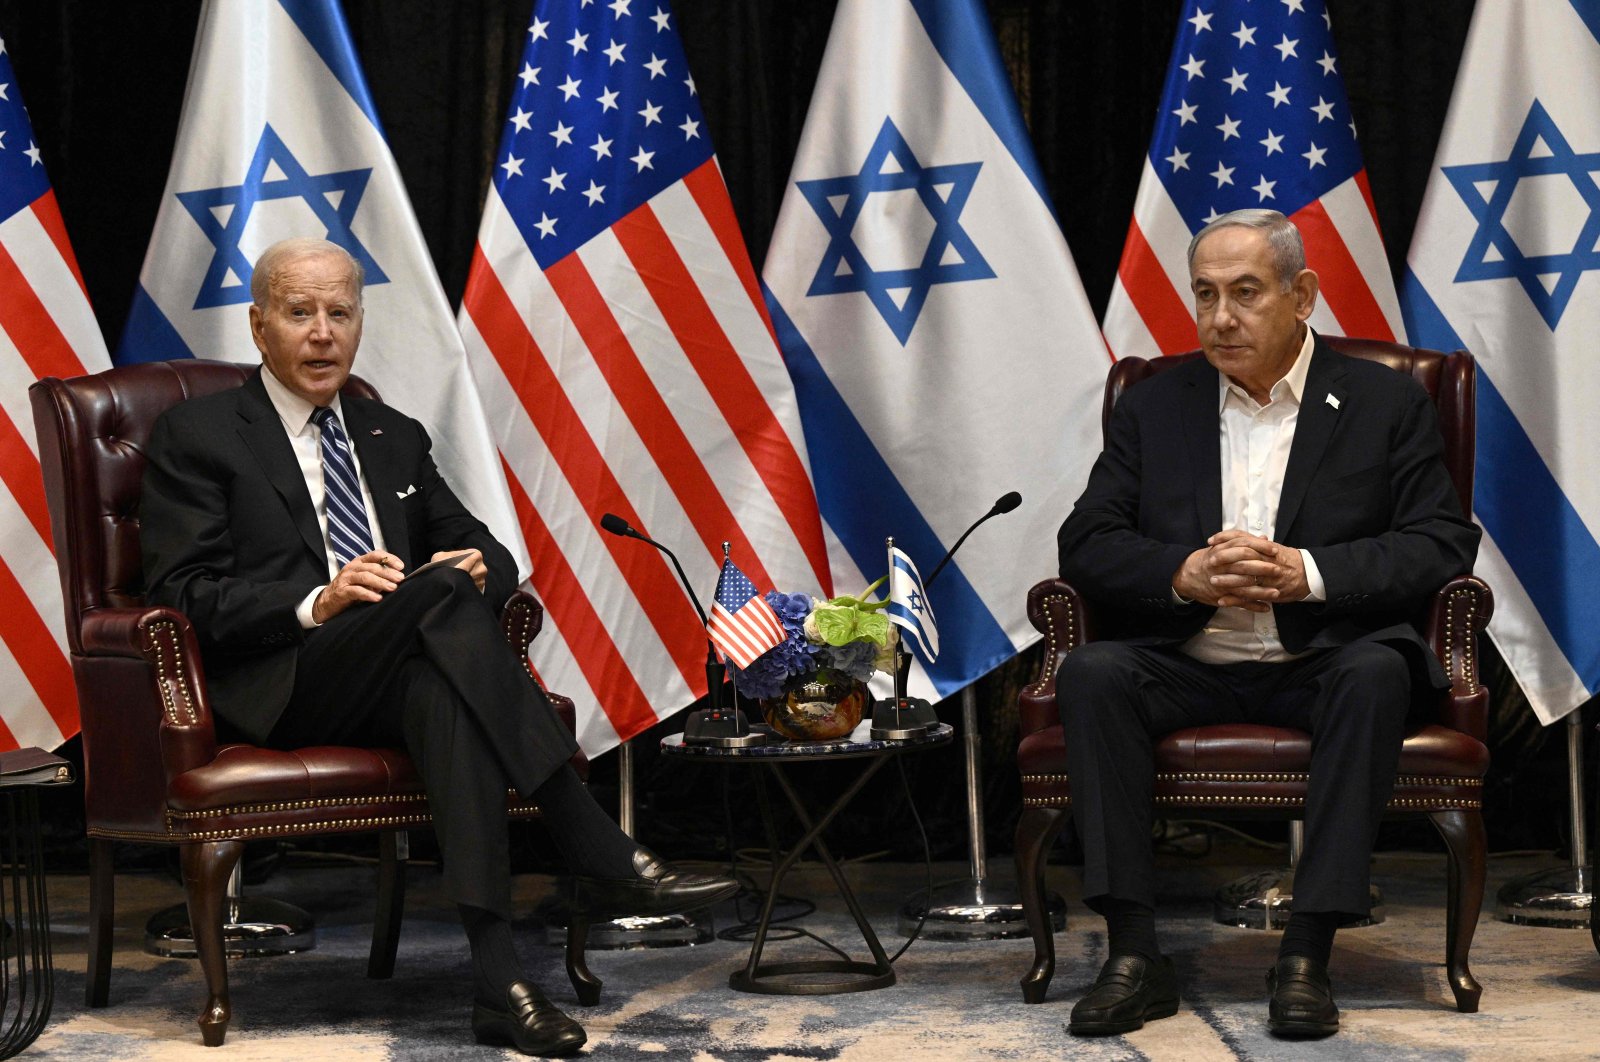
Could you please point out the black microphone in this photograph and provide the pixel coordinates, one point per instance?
(618, 526)
(1006, 503)
(709, 726)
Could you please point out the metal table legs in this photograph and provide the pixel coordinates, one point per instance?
(27, 988)
(814, 977)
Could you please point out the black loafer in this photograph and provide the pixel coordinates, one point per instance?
(1130, 991)
(1302, 1004)
(529, 1022)
(657, 887)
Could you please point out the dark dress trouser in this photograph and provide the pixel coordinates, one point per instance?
(428, 668)
(1117, 700)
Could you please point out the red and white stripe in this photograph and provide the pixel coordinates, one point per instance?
(46, 329)
(746, 634)
(640, 376)
(1151, 312)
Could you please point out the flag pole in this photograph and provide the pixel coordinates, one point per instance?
(1560, 898)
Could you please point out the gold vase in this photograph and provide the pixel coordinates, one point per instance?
(823, 709)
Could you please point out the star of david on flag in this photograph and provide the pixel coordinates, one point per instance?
(1253, 114)
(1503, 263)
(1540, 150)
(942, 191)
(279, 138)
(909, 608)
(46, 329)
(332, 197)
(924, 297)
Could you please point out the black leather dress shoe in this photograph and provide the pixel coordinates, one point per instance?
(1302, 1004)
(529, 1022)
(1130, 991)
(656, 887)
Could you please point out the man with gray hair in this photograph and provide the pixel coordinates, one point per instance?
(283, 518)
(1257, 535)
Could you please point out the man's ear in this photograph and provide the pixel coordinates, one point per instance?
(256, 325)
(1305, 289)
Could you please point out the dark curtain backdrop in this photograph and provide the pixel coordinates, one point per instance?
(104, 83)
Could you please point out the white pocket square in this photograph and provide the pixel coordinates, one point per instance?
(408, 492)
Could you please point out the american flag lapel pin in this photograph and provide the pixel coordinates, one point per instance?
(379, 431)
(1333, 401)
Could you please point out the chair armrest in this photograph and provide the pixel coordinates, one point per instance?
(1458, 612)
(521, 620)
(1060, 613)
(170, 685)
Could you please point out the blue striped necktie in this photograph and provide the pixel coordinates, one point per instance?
(348, 529)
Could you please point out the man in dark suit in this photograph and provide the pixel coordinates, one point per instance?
(282, 519)
(1259, 531)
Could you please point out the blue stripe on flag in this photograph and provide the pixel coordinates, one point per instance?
(910, 623)
(1523, 508)
(864, 503)
(324, 27)
(1589, 11)
(961, 34)
(149, 335)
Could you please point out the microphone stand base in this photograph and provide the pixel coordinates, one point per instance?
(723, 730)
(898, 720)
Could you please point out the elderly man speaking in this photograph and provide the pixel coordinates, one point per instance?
(282, 519)
(1259, 531)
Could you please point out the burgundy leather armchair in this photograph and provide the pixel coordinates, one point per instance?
(155, 771)
(1247, 771)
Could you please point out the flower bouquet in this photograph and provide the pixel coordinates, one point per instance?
(813, 685)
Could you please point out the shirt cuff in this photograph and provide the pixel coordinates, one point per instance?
(1179, 600)
(1318, 590)
(303, 611)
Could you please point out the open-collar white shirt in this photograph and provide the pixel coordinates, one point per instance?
(1254, 446)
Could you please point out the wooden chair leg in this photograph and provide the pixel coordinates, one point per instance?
(102, 910)
(206, 867)
(391, 905)
(1463, 835)
(1036, 831)
(584, 983)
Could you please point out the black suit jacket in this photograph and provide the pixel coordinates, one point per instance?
(1365, 491)
(230, 538)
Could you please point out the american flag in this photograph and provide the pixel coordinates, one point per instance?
(622, 352)
(46, 329)
(742, 624)
(1254, 114)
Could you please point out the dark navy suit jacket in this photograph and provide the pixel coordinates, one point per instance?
(1365, 490)
(230, 538)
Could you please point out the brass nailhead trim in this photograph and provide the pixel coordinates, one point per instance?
(294, 805)
(1216, 776)
(1403, 803)
(1052, 642)
(164, 640)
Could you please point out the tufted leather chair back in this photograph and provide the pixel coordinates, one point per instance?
(94, 430)
(1448, 378)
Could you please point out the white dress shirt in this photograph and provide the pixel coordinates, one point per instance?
(306, 439)
(1255, 442)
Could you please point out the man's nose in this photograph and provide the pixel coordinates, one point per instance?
(1222, 316)
(321, 328)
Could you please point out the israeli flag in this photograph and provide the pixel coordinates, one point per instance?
(909, 608)
(932, 318)
(1504, 263)
(279, 138)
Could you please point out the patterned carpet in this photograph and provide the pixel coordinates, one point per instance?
(954, 1001)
